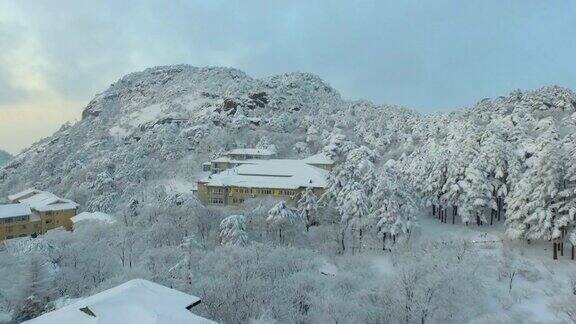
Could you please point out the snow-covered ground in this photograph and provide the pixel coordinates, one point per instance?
(538, 279)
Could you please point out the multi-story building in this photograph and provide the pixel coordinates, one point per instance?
(33, 212)
(278, 178)
(16, 221)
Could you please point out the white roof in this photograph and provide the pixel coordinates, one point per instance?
(24, 194)
(14, 210)
(46, 201)
(136, 301)
(319, 158)
(96, 216)
(250, 151)
(276, 173)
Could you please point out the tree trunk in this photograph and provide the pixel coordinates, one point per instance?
(433, 210)
(555, 248)
(384, 242)
(446, 215)
(499, 203)
(454, 212)
(492, 217)
(561, 248)
(572, 251)
(360, 246)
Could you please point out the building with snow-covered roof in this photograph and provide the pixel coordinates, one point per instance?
(278, 178)
(23, 194)
(16, 221)
(320, 160)
(48, 211)
(135, 301)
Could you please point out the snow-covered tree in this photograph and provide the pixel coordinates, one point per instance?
(533, 202)
(285, 221)
(233, 231)
(394, 205)
(308, 207)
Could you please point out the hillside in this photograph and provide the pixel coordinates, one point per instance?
(163, 122)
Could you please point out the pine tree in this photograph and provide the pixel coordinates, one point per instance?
(233, 231)
(307, 206)
(395, 205)
(284, 220)
(354, 210)
(533, 202)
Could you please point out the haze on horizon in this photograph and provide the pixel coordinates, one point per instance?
(430, 56)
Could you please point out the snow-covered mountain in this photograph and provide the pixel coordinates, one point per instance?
(163, 122)
(152, 130)
(158, 125)
(4, 157)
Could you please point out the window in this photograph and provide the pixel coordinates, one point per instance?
(217, 190)
(217, 201)
(266, 191)
(237, 200)
(48, 221)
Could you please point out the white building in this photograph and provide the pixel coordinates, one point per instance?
(136, 301)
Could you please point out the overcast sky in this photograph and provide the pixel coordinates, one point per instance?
(428, 55)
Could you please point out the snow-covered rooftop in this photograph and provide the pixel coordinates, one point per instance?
(14, 210)
(96, 216)
(276, 173)
(46, 201)
(250, 151)
(319, 158)
(135, 301)
(24, 194)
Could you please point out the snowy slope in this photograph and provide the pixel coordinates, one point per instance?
(162, 123)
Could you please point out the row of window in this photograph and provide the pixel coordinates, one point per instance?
(237, 200)
(281, 192)
(217, 201)
(11, 236)
(14, 219)
(11, 229)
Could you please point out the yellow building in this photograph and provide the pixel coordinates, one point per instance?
(33, 212)
(16, 221)
(277, 178)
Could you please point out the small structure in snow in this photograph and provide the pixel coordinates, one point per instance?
(96, 216)
(250, 153)
(135, 301)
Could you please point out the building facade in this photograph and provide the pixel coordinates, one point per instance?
(33, 212)
(282, 179)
